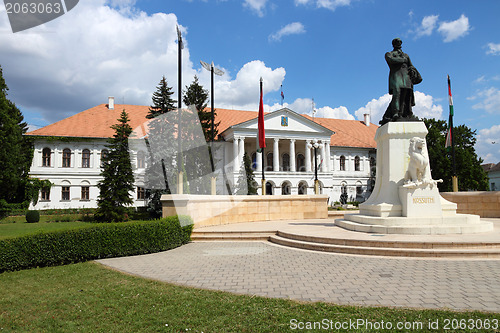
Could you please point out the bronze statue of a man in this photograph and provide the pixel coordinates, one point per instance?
(402, 76)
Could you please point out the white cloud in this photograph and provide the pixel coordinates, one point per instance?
(328, 4)
(305, 106)
(490, 100)
(454, 29)
(427, 26)
(493, 49)
(294, 28)
(61, 68)
(243, 92)
(488, 144)
(424, 107)
(256, 5)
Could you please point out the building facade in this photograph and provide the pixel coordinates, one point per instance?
(69, 153)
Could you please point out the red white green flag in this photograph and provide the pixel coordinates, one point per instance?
(449, 139)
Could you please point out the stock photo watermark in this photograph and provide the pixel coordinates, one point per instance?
(27, 14)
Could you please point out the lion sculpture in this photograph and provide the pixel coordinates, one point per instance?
(419, 162)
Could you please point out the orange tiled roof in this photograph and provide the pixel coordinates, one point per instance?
(349, 133)
(96, 122)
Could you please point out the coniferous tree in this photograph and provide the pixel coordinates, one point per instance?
(198, 96)
(160, 147)
(471, 176)
(16, 151)
(246, 180)
(118, 178)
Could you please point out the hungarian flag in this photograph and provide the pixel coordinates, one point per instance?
(282, 95)
(262, 133)
(449, 139)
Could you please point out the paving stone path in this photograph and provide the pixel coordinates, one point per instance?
(264, 269)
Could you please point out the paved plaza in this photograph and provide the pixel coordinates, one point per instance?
(266, 269)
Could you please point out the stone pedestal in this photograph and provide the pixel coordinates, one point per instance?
(420, 200)
(400, 207)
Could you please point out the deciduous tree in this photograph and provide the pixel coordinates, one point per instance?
(471, 176)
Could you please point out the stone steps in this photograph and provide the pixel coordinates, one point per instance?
(391, 226)
(389, 248)
(197, 236)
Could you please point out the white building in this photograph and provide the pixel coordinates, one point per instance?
(493, 171)
(68, 153)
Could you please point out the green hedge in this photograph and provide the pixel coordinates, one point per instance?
(96, 242)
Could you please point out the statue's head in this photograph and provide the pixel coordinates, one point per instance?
(396, 43)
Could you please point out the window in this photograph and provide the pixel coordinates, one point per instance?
(66, 162)
(141, 160)
(254, 161)
(45, 196)
(46, 152)
(356, 164)
(493, 187)
(342, 163)
(104, 153)
(85, 193)
(86, 158)
(270, 162)
(372, 162)
(286, 189)
(301, 163)
(65, 193)
(302, 188)
(140, 193)
(286, 162)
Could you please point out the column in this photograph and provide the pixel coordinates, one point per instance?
(308, 156)
(328, 157)
(258, 159)
(236, 161)
(242, 151)
(292, 156)
(276, 155)
(322, 150)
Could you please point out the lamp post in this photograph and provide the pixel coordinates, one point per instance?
(315, 145)
(211, 68)
(180, 180)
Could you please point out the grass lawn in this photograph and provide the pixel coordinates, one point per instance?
(8, 230)
(91, 298)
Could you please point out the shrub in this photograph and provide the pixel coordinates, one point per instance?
(32, 216)
(96, 242)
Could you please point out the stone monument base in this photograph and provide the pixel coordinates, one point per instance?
(438, 225)
(400, 204)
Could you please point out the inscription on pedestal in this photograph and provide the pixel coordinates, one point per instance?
(420, 201)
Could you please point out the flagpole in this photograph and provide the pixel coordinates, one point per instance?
(260, 130)
(180, 180)
(454, 178)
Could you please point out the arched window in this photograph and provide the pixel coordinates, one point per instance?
(302, 188)
(356, 163)
(254, 161)
(301, 163)
(270, 161)
(46, 152)
(66, 159)
(286, 188)
(141, 157)
(286, 162)
(342, 163)
(269, 188)
(104, 153)
(86, 158)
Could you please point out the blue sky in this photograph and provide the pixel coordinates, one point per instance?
(329, 50)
